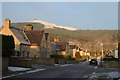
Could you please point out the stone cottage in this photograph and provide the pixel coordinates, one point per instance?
(28, 42)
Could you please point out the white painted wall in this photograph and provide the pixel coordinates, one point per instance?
(116, 54)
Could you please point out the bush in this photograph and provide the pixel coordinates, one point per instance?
(7, 45)
(57, 56)
(77, 55)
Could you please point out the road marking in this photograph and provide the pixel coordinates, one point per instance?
(8, 76)
(94, 73)
(20, 74)
(66, 65)
(32, 71)
(95, 67)
(85, 76)
(84, 62)
(93, 76)
(36, 70)
(90, 66)
(57, 64)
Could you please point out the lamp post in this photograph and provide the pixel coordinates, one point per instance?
(102, 49)
(46, 49)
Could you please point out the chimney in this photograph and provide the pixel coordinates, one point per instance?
(7, 23)
(28, 27)
(46, 36)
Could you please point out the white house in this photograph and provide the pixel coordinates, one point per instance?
(115, 53)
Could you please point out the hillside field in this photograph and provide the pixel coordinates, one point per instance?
(88, 39)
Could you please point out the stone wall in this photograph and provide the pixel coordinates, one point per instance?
(33, 51)
(20, 62)
(63, 61)
(110, 64)
(27, 62)
(46, 61)
(5, 62)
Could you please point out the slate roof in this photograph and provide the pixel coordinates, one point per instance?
(31, 37)
(35, 36)
(61, 45)
(19, 34)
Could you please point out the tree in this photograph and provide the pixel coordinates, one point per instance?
(8, 45)
(77, 55)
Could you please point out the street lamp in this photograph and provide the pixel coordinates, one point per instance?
(102, 49)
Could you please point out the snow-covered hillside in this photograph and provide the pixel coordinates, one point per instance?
(53, 26)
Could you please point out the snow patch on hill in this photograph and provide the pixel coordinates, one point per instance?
(53, 26)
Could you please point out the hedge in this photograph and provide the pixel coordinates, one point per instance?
(8, 45)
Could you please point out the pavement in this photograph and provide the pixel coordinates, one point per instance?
(80, 70)
(104, 73)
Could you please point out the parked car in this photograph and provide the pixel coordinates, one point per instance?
(93, 61)
(110, 58)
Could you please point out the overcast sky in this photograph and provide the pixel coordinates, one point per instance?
(80, 15)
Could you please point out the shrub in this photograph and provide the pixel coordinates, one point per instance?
(57, 56)
(7, 45)
(77, 55)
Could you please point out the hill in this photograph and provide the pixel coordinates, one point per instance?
(21, 25)
(87, 38)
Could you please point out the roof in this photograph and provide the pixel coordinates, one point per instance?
(35, 36)
(51, 37)
(72, 46)
(19, 34)
(61, 45)
(28, 25)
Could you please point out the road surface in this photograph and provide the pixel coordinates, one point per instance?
(80, 70)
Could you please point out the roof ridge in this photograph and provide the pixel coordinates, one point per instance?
(34, 30)
(16, 28)
(26, 36)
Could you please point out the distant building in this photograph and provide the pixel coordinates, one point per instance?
(61, 48)
(28, 42)
(114, 53)
(56, 39)
(65, 48)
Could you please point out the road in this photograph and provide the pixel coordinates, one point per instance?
(80, 70)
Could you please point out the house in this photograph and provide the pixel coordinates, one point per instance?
(119, 51)
(114, 53)
(73, 47)
(28, 42)
(72, 50)
(61, 48)
(65, 48)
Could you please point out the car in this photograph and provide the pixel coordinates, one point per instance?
(109, 58)
(93, 61)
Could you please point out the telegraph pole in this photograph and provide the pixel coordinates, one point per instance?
(46, 38)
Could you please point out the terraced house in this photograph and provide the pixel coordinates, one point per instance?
(28, 42)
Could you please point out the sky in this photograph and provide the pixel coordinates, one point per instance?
(80, 15)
